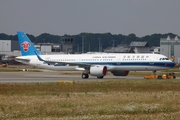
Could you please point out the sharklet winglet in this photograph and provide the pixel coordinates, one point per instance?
(39, 58)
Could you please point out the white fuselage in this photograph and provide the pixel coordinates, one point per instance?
(122, 61)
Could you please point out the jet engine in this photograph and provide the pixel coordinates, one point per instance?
(98, 70)
(120, 73)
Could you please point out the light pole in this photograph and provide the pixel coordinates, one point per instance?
(113, 43)
(89, 47)
(99, 44)
(101, 47)
(77, 48)
(2, 47)
(168, 48)
(82, 44)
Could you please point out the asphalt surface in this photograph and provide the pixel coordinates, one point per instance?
(51, 76)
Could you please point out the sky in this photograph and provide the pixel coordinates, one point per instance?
(72, 17)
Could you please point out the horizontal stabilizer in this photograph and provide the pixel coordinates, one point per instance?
(22, 59)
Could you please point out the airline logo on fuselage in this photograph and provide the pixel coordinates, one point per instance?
(25, 46)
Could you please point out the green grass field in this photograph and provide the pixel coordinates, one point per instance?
(92, 100)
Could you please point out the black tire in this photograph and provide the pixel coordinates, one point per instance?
(85, 76)
(159, 77)
(100, 77)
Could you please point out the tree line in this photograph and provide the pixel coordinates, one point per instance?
(92, 40)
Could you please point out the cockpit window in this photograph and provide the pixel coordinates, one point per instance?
(163, 59)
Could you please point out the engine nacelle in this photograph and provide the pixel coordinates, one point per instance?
(120, 73)
(98, 70)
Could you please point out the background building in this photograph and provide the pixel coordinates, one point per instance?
(8, 49)
(155, 49)
(8, 45)
(140, 47)
(134, 47)
(170, 47)
(67, 44)
(48, 48)
(119, 49)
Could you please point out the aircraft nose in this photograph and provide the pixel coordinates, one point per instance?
(172, 64)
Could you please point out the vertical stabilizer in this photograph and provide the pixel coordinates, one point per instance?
(26, 46)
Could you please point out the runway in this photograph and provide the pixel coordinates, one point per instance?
(51, 76)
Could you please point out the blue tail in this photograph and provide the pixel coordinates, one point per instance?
(26, 46)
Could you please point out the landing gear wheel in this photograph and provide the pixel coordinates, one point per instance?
(100, 77)
(159, 77)
(85, 76)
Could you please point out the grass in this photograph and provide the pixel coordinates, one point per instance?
(91, 100)
(102, 100)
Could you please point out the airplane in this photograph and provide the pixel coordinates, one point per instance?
(119, 64)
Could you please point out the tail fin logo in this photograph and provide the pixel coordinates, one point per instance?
(25, 46)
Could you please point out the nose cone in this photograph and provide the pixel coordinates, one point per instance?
(170, 64)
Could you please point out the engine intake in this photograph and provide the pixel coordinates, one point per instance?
(98, 70)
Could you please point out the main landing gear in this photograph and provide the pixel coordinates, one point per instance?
(100, 77)
(86, 76)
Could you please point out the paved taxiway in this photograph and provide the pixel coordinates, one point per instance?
(51, 76)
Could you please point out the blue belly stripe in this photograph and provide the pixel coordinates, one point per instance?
(160, 64)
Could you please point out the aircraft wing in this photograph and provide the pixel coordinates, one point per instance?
(68, 63)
